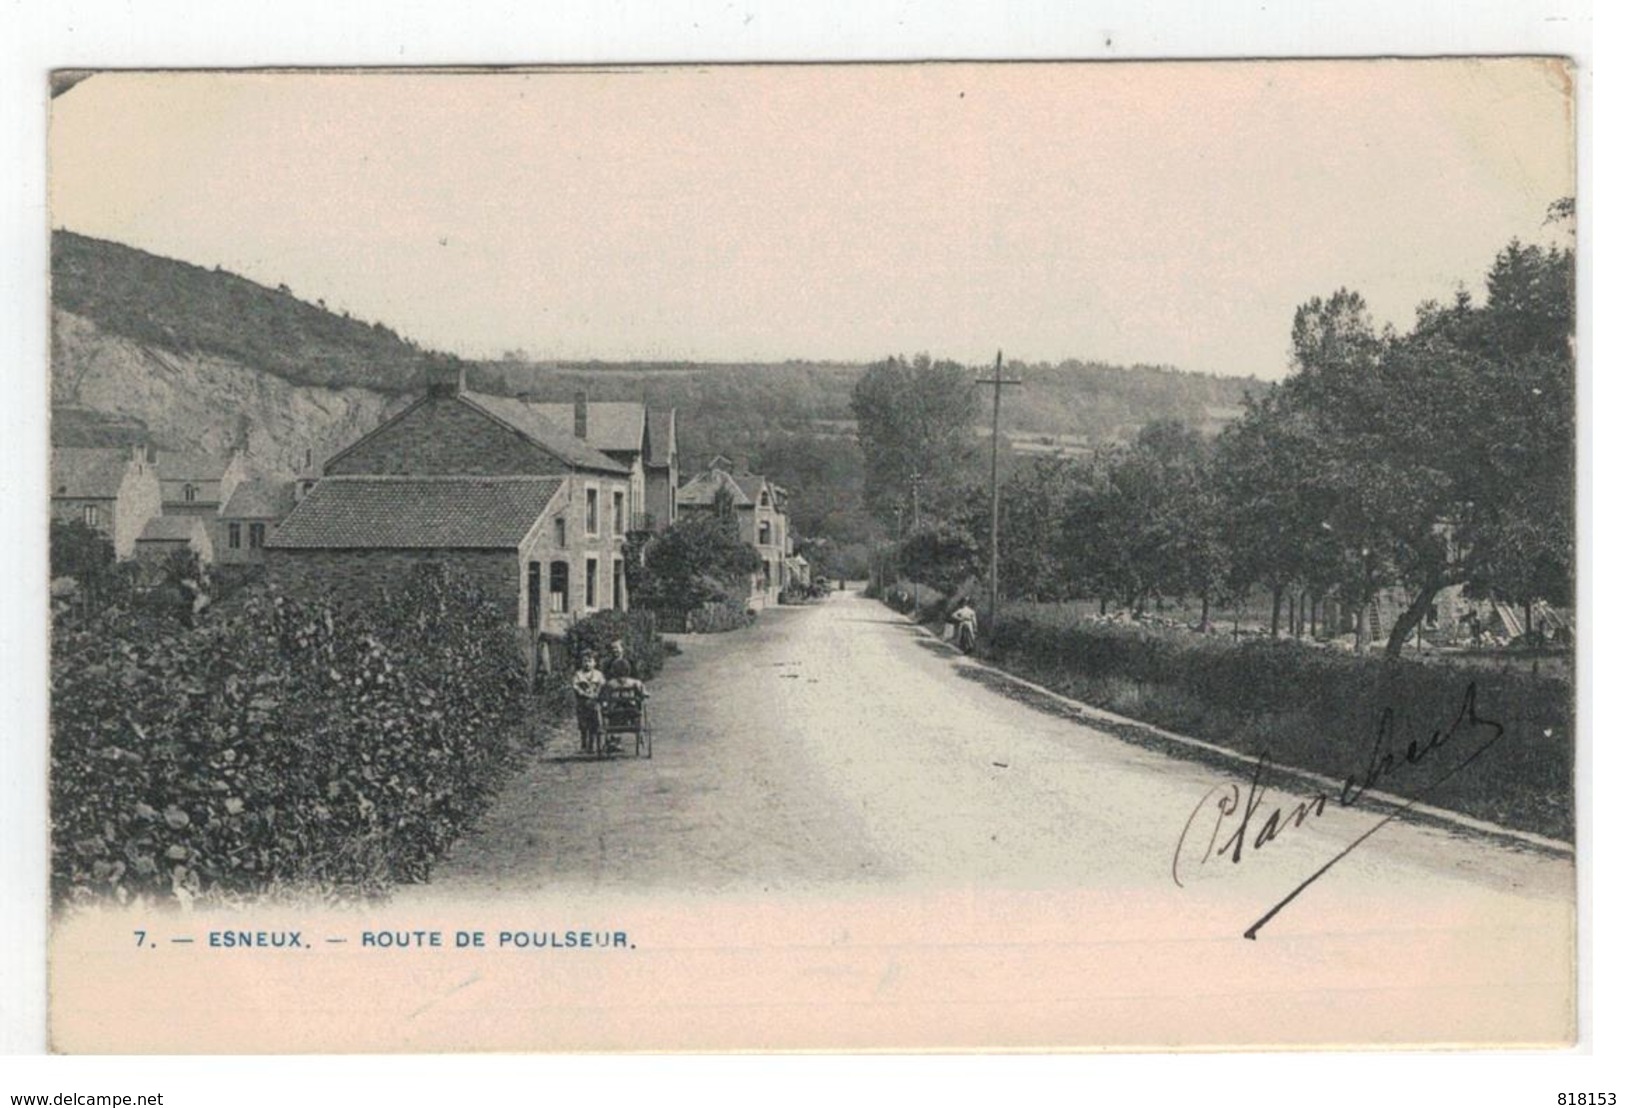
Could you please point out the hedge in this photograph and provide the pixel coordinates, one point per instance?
(1318, 709)
(290, 743)
(638, 632)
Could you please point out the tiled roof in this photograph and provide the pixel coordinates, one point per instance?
(662, 436)
(191, 467)
(416, 513)
(702, 489)
(259, 498)
(88, 471)
(528, 419)
(171, 529)
(752, 484)
(611, 424)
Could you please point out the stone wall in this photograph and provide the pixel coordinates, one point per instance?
(358, 575)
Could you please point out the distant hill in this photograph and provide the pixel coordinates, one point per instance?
(186, 309)
(145, 347)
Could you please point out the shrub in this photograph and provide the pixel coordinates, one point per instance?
(728, 615)
(294, 743)
(637, 631)
(1316, 709)
(699, 560)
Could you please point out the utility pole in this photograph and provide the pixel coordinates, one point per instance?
(999, 382)
(897, 543)
(914, 488)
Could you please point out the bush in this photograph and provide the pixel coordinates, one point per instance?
(636, 631)
(1317, 709)
(728, 615)
(294, 743)
(699, 560)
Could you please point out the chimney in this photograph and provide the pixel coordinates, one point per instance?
(447, 379)
(581, 414)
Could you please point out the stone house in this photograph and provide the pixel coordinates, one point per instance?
(112, 489)
(764, 524)
(618, 429)
(199, 484)
(165, 535)
(487, 484)
(660, 496)
(247, 519)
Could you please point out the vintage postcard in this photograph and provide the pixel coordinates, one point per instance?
(1064, 556)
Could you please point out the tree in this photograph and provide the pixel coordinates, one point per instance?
(80, 551)
(1141, 522)
(1436, 458)
(1034, 504)
(916, 417)
(943, 554)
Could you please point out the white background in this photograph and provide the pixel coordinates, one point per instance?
(36, 35)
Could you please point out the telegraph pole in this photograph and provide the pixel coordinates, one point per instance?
(999, 382)
(914, 487)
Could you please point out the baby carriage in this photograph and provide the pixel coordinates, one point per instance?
(624, 711)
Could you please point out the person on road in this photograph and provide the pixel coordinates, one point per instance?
(587, 684)
(964, 626)
(622, 687)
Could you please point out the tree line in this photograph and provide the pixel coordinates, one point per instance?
(1418, 460)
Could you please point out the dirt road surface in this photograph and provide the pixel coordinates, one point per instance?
(838, 751)
(838, 744)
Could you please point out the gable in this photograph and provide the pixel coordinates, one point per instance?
(619, 426)
(442, 436)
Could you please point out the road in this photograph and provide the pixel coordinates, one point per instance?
(839, 744)
(839, 751)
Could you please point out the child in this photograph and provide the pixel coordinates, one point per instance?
(623, 695)
(587, 683)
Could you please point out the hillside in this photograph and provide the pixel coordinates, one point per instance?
(192, 358)
(108, 390)
(188, 310)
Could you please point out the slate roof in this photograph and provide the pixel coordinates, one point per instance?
(611, 424)
(662, 437)
(702, 489)
(259, 498)
(752, 484)
(88, 472)
(528, 418)
(171, 529)
(191, 467)
(373, 512)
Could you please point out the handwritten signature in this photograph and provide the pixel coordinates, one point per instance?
(1222, 811)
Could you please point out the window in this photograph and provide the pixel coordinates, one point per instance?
(558, 587)
(533, 595)
(559, 533)
(256, 535)
(618, 511)
(234, 535)
(619, 580)
(189, 493)
(93, 515)
(592, 582)
(592, 511)
(764, 533)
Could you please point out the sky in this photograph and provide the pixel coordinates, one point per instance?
(1164, 213)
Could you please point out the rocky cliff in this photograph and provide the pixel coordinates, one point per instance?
(112, 388)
